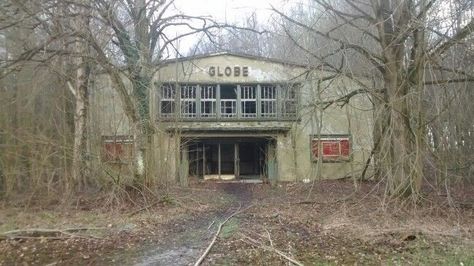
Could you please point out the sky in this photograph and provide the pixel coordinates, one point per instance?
(229, 11)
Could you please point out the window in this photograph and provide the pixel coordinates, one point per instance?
(290, 101)
(228, 101)
(208, 101)
(228, 108)
(168, 96)
(212, 101)
(248, 100)
(334, 148)
(117, 149)
(188, 101)
(268, 99)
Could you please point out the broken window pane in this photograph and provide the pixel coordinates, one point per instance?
(290, 101)
(228, 91)
(188, 101)
(248, 101)
(188, 108)
(268, 100)
(208, 101)
(228, 108)
(167, 108)
(167, 103)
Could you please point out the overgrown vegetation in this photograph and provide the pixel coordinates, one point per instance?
(413, 59)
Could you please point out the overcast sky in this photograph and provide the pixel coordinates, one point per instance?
(230, 11)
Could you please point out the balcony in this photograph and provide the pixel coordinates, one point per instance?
(228, 102)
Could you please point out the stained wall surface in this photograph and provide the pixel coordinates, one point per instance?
(292, 137)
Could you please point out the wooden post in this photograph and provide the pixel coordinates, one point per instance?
(184, 166)
(219, 159)
(203, 161)
(236, 161)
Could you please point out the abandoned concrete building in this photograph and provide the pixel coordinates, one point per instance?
(237, 117)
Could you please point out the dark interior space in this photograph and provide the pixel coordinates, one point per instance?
(227, 158)
(228, 91)
(252, 158)
(243, 157)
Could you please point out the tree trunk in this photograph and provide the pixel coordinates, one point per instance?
(79, 161)
(143, 128)
(397, 146)
(81, 93)
(141, 81)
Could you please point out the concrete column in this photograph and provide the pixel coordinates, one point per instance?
(279, 96)
(218, 101)
(198, 101)
(238, 103)
(258, 101)
(272, 162)
(184, 166)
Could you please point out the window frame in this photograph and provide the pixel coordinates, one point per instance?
(187, 101)
(126, 154)
(331, 138)
(279, 104)
(267, 102)
(165, 96)
(248, 96)
(290, 100)
(208, 95)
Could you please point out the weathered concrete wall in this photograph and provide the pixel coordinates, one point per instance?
(353, 118)
(107, 113)
(259, 71)
(107, 118)
(292, 137)
(166, 149)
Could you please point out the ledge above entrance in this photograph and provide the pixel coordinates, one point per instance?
(202, 126)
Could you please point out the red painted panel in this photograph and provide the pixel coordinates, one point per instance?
(345, 147)
(333, 149)
(113, 151)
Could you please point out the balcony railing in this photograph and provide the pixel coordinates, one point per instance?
(246, 102)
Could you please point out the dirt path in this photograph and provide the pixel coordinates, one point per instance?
(189, 237)
(329, 223)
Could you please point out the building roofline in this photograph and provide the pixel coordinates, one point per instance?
(242, 55)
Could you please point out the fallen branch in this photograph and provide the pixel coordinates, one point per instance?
(272, 249)
(144, 208)
(310, 202)
(46, 233)
(326, 202)
(219, 228)
(162, 200)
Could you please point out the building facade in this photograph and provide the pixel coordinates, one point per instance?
(236, 117)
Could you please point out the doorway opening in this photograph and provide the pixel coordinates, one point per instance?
(228, 158)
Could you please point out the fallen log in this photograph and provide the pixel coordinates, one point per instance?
(32, 233)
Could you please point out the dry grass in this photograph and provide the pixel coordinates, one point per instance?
(329, 223)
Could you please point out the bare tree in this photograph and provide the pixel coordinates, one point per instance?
(61, 41)
(81, 96)
(35, 103)
(401, 44)
(138, 42)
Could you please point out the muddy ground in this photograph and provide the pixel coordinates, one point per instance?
(325, 223)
